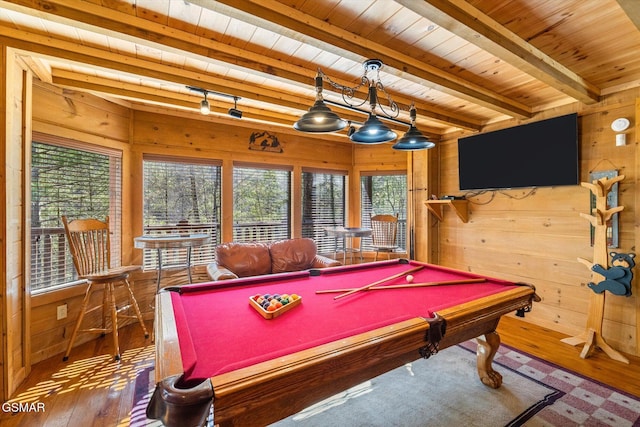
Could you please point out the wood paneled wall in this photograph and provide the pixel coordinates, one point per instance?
(16, 354)
(536, 235)
(4, 138)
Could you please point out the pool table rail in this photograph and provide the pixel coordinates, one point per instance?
(166, 338)
(272, 390)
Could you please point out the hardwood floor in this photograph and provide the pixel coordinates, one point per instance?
(90, 389)
(93, 390)
(545, 344)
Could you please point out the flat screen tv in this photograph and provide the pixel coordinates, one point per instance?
(539, 154)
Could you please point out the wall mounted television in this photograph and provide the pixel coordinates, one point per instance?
(539, 154)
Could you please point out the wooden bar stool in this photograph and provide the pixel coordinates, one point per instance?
(90, 247)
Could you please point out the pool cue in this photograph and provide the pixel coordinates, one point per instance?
(408, 285)
(370, 285)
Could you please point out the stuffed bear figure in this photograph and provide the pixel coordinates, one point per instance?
(618, 277)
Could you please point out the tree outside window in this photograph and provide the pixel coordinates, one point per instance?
(323, 205)
(181, 196)
(261, 204)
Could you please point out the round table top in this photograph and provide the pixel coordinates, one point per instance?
(164, 241)
(348, 231)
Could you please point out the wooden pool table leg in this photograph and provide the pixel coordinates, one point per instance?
(487, 349)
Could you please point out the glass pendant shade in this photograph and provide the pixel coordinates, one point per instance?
(373, 132)
(319, 119)
(413, 140)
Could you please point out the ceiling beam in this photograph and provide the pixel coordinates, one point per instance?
(113, 23)
(632, 9)
(136, 92)
(51, 47)
(462, 19)
(278, 17)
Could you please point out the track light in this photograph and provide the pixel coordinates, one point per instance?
(204, 105)
(234, 112)
(205, 108)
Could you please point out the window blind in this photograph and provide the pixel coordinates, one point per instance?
(323, 205)
(385, 193)
(181, 196)
(78, 183)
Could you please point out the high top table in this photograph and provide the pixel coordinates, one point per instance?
(161, 242)
(348, 234)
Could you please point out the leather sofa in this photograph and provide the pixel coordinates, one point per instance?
(235, 260)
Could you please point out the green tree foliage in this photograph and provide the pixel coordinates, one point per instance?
(260, 195)
(180, 192)
(68, 182)
(385, 194)
(322, 198)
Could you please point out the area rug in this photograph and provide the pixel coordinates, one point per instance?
(445, 391)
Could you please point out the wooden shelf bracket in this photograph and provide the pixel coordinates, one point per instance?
(460, 206)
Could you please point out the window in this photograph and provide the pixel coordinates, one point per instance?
(76, 181)
(323, 205)
(384, 194)
(261, 204)
(181, 196)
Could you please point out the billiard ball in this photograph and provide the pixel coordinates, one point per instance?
(409, 278)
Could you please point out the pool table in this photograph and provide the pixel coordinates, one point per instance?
(351, 323)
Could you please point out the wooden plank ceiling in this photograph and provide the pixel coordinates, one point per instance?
(463, 64)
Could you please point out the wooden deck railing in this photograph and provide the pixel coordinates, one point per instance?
(51, 263)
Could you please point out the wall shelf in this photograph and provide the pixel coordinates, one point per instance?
(459, 206)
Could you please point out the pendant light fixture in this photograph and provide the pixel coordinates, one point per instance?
(319, 118)
(413, 139)
(374, 131)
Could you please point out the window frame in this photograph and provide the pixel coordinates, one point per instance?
(326, 244)
(366, 211)
(263, 233)
(201, 255)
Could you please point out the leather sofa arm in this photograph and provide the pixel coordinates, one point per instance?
(218, 272)
(321, 261)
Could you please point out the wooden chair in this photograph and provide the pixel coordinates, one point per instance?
(384, 231)
(90, 247)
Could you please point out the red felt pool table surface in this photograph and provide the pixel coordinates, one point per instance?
(224, 341)
(217, 319)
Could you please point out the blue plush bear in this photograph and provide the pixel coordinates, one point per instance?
(618, 277)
